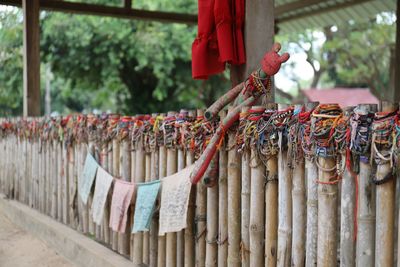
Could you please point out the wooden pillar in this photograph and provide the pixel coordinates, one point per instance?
(31, 58)
(397, 55)
(259, 29)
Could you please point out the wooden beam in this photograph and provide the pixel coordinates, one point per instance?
(31, 103)
(397, 64)
(279, 10)
(282, 9)
(109, 11)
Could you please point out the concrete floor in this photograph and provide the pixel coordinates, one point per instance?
(19, 248)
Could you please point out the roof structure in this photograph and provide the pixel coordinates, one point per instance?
(345, 97)
(297, 15)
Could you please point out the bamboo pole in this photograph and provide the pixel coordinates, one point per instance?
(65, 184)
(115, 172)
(271, 207)
(223, 204)
(385, 199)
(347, 206)
(284, 206)
(72, 188)
(133, 171)
(161, 260)
(48, 177)
(171, 237)
(53, 178)
(125, 169)
(180, 238)
(190, 231)
(245, 203)
(59, 179)
(146, 235)
(311, 177)
(107, 209)
(40, 173)
(93, 228)
(105, 222)
(83, 150)
(139, 178)
(365, 245)
(154, 175)
(327, 213)
(257, 204)
(299, 209)
(200, 219)
(212, 213)
(234, 190)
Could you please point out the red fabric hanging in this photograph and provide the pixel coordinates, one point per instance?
(220, 37)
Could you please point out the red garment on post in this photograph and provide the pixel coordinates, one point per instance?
(220, 37)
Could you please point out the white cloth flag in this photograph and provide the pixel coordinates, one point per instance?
(103, 184)
(174, 201)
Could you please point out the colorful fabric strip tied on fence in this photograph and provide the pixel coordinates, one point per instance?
(87, 177)
(121, 200)
(103, 184)
(145, 202)
(174, 201)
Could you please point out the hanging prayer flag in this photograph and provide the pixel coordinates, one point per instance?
(145, 201)
(87, 177)
(174, 201)
(102, 186)
(121, 200)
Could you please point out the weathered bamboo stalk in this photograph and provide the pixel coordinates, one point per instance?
(146, 235)
(139, 178)
(327, 214)
(83, 209)
(54, 180)
(190, 231)
(125, 171)
(161, 260)
(284, 206)
(107, 209)
(133, 171)
(59, 179)
(365, 245)
(257, 208)
(234, 190)
(223, 204)
(180, 238)
(347, 208)
(105, 222)
(153, 250)
(48, 177)
(385, 199)
(93, 228)
(212, 215)
(115, 172)
(171, 237)
(245, 204)
(72, 177)
(200, 219)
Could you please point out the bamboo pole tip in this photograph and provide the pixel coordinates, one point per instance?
(311, 105)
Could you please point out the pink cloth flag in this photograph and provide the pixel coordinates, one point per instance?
(121, 199)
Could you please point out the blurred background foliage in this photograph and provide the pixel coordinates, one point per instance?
(104, 64)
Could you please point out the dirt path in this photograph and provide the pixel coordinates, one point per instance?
(21, 249)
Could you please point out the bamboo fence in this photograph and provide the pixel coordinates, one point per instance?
(289, 185)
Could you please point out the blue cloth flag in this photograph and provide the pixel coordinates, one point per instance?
(145, 202)
(87, 177)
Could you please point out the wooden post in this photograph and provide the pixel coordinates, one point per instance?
(105, 223)
(107, 209)
(223, 203)
(257, 204)
(312, 199)
(201, 213)
(234, 190)
(154, 224)
(271, 207)
(171, 237)
(284, 206)
(385, 199)
(396, 75)
(31, 101)
(190, 230)
(365, 245)
(163, 173)
(245, 199)
(347, 208)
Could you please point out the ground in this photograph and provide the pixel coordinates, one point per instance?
(19, 248)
